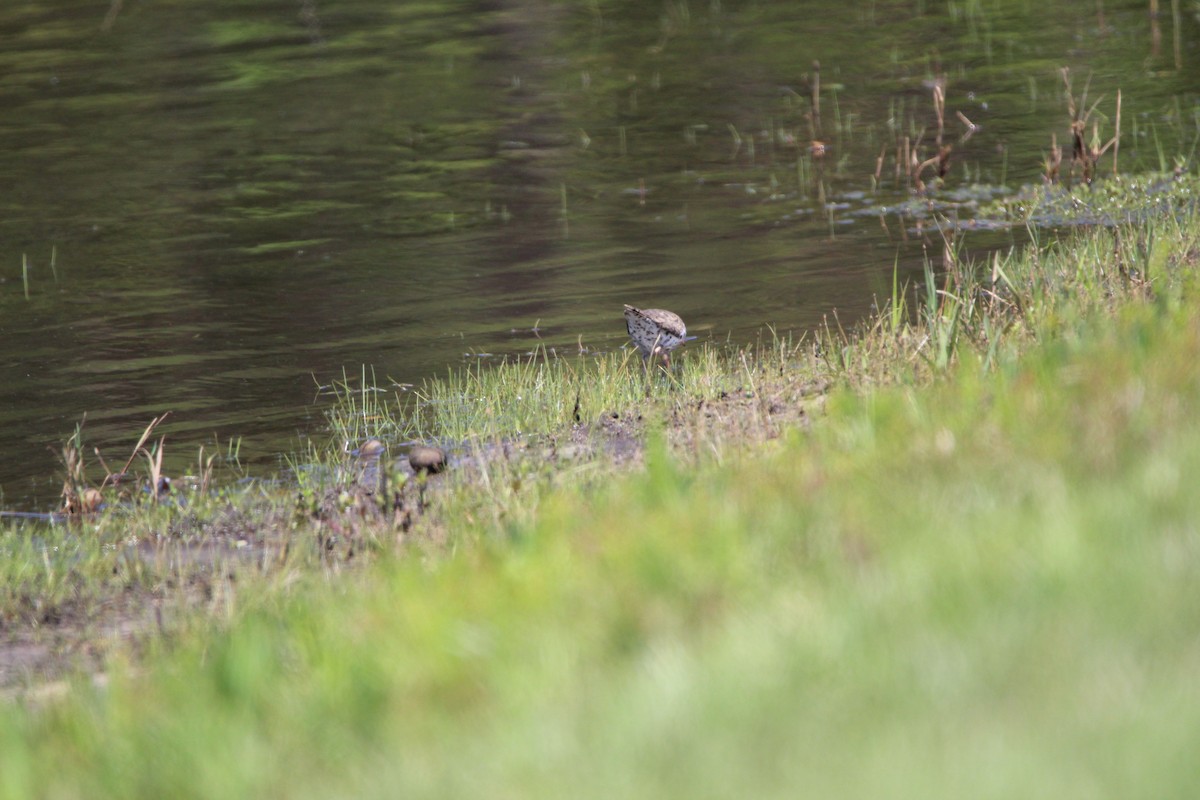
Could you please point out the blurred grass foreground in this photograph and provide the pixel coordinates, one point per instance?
(971, 572)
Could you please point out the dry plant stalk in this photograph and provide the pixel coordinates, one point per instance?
(77, 496)
(940, 161)
(154, 459)
(74, 480)
(971, 127)
(816, 101)
(1052, 161)
(1084, 153)
(206, 470)
(137, 448)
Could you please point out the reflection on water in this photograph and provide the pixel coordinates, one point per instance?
(244, 198)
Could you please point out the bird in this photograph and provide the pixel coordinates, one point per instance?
(655, 332)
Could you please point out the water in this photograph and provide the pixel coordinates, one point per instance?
(243, 199)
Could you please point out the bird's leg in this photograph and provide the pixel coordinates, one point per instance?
(662, 359)
(661, 352)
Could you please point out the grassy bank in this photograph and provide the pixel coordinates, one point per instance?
(951, 554)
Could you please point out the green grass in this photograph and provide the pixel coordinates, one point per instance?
(970, 572)
(541, 394)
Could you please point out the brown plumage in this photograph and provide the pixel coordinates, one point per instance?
(655, 332)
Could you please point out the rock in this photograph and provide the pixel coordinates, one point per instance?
(92, 500)
(371, 449)
(423, 458)
(369, 476)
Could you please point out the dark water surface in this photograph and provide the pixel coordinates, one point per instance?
(242, 197)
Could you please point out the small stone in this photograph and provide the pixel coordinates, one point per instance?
(371, 449)
(92, 500)
(369, 476)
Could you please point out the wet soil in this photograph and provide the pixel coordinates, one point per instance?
(195, 565)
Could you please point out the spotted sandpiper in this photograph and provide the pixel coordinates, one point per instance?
(655, 332)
